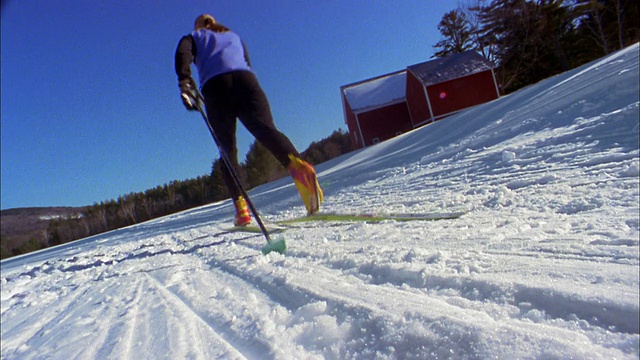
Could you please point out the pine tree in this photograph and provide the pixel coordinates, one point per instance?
(456, 30)
(261, 166)
(530, 38)
(483, 43)
(218, 187)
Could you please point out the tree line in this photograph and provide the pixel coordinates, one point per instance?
(533, 40)
(259, 167)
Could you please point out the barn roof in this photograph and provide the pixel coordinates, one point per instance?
(376, 92)
(450, 67)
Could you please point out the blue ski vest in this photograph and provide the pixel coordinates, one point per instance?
(218, 53)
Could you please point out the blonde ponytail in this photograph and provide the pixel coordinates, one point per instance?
(209, 22)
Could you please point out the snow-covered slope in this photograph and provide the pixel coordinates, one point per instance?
(544, 264)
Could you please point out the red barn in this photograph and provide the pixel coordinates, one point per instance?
(380, 108)
(376, 109)
(441, 87)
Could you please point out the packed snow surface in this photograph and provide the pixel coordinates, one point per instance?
(378, 92)
(544, 263)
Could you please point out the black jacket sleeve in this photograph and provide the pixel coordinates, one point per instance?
(185, 54)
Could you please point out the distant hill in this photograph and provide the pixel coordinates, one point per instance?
(18, 226)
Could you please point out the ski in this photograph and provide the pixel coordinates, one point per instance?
(343, 217)
(254, 229)
(371, 217)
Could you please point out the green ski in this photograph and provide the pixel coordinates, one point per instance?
(372, 217)
(344, 217)
(255, 229)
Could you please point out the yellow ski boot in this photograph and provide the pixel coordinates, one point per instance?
(243, 216)
(304, 176)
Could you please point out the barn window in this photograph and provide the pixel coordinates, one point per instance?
(376, 140)
(443, 95)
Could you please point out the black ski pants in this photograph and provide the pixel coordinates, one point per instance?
(238, 95)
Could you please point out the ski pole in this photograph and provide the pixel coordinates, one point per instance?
(278, 246)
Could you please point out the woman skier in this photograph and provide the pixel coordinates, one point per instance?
(231, 91)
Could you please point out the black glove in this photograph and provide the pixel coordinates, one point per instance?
(189, 94)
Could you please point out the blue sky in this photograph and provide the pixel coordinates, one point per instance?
(90, 105)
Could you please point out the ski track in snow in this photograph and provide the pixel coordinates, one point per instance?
(544, 264)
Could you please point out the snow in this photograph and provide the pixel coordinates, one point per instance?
(450, 67)
(544, 264)
(377, 92)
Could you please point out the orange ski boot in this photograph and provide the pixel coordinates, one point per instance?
(304, 176)
(243, 216)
